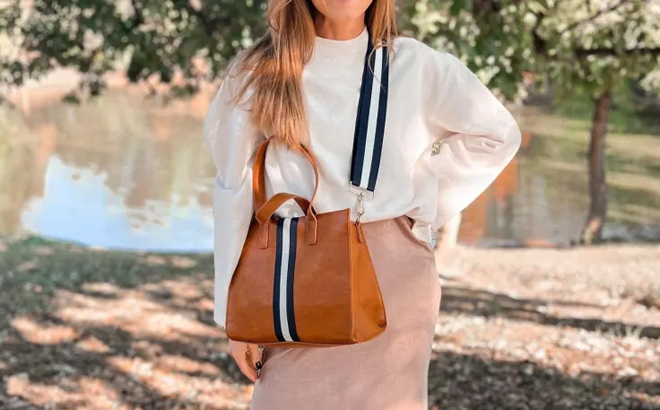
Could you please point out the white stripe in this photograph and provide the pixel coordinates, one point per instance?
(373, 119)
(284, 273)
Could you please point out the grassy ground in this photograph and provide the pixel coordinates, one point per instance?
(518, 329)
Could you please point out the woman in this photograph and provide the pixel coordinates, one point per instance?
(301, 83)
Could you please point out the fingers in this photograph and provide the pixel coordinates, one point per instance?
(242, 354)
(247, 368)
(254, 354)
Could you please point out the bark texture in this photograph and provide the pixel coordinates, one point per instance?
(597, 184)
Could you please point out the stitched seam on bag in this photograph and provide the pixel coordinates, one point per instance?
(350, 273)
(231, 282)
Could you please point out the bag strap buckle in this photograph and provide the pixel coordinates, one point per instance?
(359, 203)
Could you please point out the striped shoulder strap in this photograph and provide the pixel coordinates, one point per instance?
(370, 123)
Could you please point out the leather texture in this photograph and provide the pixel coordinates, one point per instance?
(336, 296)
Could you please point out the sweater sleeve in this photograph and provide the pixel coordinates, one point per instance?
(232, 140)
(478, 135)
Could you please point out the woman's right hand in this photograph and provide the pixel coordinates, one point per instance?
(246, 356)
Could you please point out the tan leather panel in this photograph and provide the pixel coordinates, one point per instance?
(322, 285)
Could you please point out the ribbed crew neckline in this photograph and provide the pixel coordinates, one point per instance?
(325, 47)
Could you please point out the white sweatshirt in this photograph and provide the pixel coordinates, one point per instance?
(433, 97)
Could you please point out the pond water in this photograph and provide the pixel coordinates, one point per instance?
(128, 172)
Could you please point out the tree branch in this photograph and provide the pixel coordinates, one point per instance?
(539, 42)
(195, 8)
(138, 18)
(595, 16)
(582, 52)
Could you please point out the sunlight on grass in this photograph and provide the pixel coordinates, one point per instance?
(183, 262)
(182, 364)
(81, 394)
(43, 335)
(92, 345)
(40, 394)
(641, 182)
(175, 384)
(634, 146)
(134, 312)
(176, 290)
(156, 260)
(102, 288)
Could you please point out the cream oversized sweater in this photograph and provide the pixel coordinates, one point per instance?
(432, 98)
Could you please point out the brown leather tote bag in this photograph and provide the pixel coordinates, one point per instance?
(309, 281)
(302, 282)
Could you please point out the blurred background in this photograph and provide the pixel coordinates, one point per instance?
(551, 296)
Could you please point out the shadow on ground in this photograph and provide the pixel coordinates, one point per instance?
(462, 382)
(458, 299)
(83, 329)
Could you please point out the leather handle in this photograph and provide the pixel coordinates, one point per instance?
(264, 214)
(274, 203)
(259, 175)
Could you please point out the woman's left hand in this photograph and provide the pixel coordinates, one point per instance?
(247, 358)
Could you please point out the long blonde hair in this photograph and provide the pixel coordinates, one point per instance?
(273, 66)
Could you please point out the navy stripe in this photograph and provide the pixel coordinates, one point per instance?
(293, 240)
(380, 126)
(355, 174)
(277, 277)
(360, 139)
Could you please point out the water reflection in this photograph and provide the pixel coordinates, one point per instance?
(520, 209)
(128, 172)
(79, 205)
(120, 172)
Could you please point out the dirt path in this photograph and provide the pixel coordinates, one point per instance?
(519, 329)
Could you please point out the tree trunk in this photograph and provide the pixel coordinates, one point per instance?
(597, 185)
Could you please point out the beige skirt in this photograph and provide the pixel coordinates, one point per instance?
(389, 372)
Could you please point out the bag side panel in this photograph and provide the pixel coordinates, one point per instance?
(250, 299)
(368, 308)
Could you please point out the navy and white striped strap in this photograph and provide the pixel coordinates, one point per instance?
(370, 123)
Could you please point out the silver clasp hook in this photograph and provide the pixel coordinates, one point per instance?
(361, 194)
(359, 207)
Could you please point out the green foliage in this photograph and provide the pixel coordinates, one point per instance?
(627, 115)
(146, 37)
(592, 46)
(489, 36)
(576, 45)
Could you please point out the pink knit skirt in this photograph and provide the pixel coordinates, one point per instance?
(389, 372)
